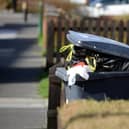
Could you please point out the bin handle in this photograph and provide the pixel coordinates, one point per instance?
(70, 49)
(91, 61)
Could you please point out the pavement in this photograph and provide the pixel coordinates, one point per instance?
(21, 64)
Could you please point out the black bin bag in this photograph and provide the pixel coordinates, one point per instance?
(110, 80)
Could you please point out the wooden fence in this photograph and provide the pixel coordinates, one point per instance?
(56, 37)
(56, 33)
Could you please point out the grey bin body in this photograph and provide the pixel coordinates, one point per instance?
(100, 86)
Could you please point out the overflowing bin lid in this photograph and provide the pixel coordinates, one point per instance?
(99, 44)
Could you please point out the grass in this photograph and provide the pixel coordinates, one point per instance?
(90, 114)
(43, 85)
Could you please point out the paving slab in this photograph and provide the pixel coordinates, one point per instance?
(19, 90)
(22, 118)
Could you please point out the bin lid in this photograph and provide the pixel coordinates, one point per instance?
(99, 44)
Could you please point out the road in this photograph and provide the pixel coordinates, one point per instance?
(20, 66)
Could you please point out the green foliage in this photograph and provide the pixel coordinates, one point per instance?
(43, 85)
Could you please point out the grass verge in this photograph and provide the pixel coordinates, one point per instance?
(43, 85)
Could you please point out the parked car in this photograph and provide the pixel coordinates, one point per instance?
(109, 7)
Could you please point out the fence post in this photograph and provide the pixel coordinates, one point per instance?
(75, 25)
(54, 97)
(90, 25)
(66, 28)
(59, 37)
(98, 26)
(82, 25)
(50, 44)
(113, 29)
(105, 28)
(121, 31)
(127, 25)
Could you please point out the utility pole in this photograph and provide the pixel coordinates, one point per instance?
(25, 10)
(41, 10)
(14, 3)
